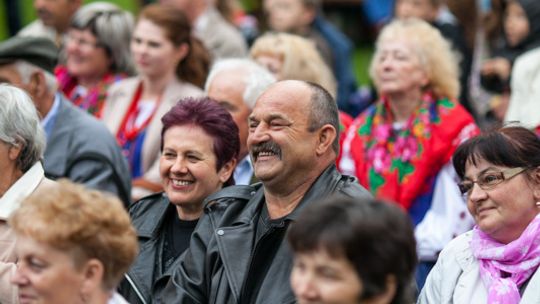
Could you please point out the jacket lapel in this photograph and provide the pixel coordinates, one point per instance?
(235, 244)
(54, 162)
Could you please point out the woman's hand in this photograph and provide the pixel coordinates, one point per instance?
(497, 66)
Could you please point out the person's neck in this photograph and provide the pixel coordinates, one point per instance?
(100, 297)
(189, 212)
(303, 31)
(44, 104)
(283, 198)
(404, 105)
(90, 81)
(9, 177)
(61, 28)
(154, 87)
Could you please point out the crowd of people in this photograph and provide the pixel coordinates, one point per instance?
(174, 157)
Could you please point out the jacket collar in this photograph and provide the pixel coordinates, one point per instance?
(25, 185)
(323, 186)
(150, 229)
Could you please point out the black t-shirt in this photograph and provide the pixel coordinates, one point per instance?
(268, 238)
(177, 234)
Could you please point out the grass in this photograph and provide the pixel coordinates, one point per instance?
(361, 59)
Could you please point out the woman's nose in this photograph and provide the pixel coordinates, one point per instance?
(476, 193)
(19, 278)
(305, 288)
(179, 166)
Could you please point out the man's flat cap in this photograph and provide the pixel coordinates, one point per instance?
(38, 51)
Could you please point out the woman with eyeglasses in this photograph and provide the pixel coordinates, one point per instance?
(96, 55)
(497, 261)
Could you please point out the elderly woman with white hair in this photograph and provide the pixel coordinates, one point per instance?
(400, 148)
(22, 143)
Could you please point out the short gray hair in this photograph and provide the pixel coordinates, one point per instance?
(112, 27)
(26, 70)
(256, 78)
(20, 125)
(323, 111)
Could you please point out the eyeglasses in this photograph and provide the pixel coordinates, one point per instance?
(488, 180)
(81, 42)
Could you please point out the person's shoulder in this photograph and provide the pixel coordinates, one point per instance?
(233, 195)
(227, 39)
(129, 84)
(87, 132)
(151, 204)
(178, 89)
(87, 125)
(37, 29)
(529, 60)
(459, 248)
(352, 188)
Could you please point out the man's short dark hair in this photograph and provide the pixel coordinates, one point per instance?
(323, 110)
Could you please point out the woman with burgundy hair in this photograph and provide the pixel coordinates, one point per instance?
(199, 150)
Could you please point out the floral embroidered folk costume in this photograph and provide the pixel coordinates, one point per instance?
(94, 98)
(399, 162)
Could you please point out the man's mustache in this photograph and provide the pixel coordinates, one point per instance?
(42, 13)
(267, 146)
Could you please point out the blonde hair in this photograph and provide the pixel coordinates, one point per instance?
(301, 59)
(434, 52)
(84, 223)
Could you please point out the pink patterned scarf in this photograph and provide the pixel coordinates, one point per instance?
(518, 259)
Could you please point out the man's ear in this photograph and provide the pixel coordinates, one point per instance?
(37, 85)
(327, 135)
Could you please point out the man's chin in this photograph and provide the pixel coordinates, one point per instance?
(265, 174)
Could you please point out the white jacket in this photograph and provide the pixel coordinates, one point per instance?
(525, 84)
(456, 278)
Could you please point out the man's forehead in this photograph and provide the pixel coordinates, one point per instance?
(288, 92)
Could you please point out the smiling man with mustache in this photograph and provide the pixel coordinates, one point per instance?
(238, 253)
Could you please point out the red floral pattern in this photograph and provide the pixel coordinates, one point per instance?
(397, 163)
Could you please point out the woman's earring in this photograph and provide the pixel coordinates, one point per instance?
(537, 204)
